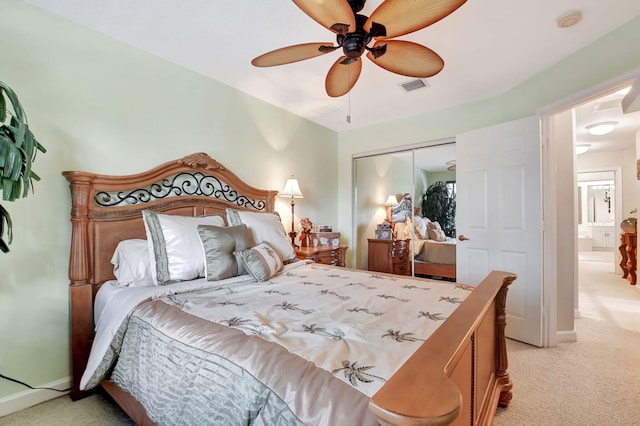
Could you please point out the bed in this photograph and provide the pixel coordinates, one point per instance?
(456, 375)
(435, 258)
(434, 254)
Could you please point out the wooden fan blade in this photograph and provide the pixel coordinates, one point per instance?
(408, 58)
(289, 54)
(342, 77)
(402, 17)
(328, 12)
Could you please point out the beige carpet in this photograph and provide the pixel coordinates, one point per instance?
(95, 410)
(595, 381)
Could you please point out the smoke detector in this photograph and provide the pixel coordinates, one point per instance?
(569, 19)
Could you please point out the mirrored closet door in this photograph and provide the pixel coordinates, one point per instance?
(394, 195)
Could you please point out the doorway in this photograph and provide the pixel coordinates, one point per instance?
(598, 211)
(564, 126)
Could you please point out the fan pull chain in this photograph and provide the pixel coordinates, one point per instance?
(349, 100)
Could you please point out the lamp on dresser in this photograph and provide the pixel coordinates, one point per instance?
(292, 189)
(391, 202)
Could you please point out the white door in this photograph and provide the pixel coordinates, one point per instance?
(499, 210)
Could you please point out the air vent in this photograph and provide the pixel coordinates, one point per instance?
(607, 105)
(414, 85)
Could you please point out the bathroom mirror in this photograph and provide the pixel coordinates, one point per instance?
(600, 202)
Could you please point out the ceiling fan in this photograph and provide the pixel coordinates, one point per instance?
(354, 32)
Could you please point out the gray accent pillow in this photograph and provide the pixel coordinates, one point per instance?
(262, 261)
(223, 248)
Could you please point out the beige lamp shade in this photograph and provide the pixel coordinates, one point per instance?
(392, 201)
(291, 189)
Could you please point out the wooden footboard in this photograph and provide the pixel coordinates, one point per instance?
(459, 375)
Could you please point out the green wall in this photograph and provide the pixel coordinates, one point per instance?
(99, 105)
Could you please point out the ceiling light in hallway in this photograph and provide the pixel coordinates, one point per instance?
(599, 129)
(581, 148)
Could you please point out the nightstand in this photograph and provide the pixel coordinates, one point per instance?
(333, 255)
(391, 256)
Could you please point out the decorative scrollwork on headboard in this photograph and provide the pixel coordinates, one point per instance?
(179, 185)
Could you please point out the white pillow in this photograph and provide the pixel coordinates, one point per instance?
(174, 246)
(437, 235)
(434, 225)
(420, 224)
(131, 264)
(435, 231)
(264, 227)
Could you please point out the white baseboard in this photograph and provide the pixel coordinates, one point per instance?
(566, 336)
(29, 398)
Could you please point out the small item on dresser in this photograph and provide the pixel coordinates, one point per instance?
(305, 232)
(384, 231)
(325, 239)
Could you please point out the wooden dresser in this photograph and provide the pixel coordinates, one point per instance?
(629, 251)
(392, 256)
(333, 255)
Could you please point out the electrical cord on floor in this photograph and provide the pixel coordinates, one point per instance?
(2, 376)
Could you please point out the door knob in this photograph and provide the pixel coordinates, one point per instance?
(462, 238)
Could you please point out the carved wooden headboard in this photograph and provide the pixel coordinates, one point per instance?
(108, 209)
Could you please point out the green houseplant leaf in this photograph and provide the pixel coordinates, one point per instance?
(438, 204)
(18, 149)
(5, 219)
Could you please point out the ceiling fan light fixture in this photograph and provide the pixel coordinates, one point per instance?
(581, 148)
(599, 129)
(354, 32)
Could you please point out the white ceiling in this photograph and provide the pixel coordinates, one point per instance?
(606, 108)
(488, 46)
